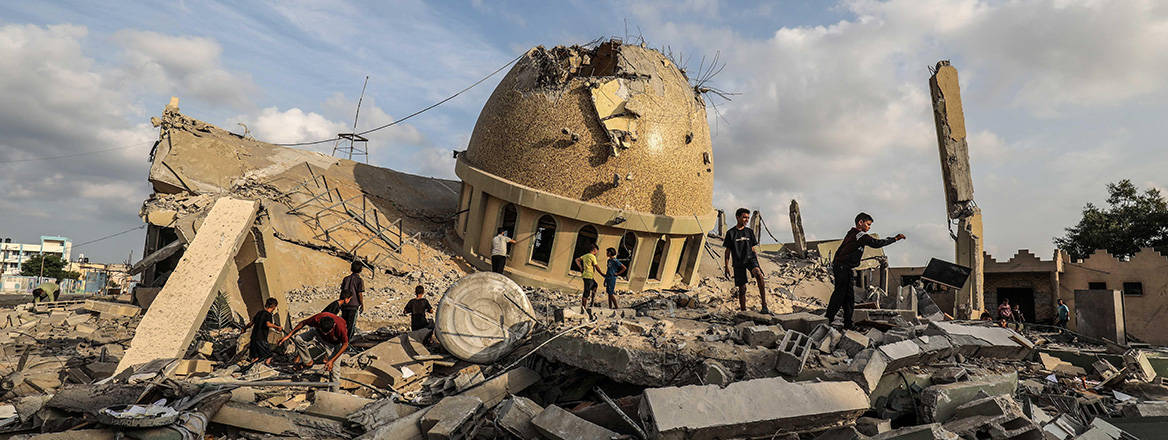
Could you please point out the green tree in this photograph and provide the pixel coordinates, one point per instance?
(1131, 220)
(54, 267)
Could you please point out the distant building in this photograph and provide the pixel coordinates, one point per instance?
(1037, 285)
(13, 254)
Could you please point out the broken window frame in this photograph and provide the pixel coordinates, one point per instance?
(538, 237)
(579, 249)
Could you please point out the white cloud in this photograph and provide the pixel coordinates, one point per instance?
(183, 67)
(292, 126)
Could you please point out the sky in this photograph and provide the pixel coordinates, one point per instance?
(831, 103)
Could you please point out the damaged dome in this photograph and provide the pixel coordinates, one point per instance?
(618, 125)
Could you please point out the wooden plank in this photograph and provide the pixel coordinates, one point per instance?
(175, 315)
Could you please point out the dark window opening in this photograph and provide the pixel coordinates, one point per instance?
(507, 222)
(1133, 289)
(682, 257)
(584, 241)
(624, 252)
(545, 235)
(1097, 285)
(658, 260)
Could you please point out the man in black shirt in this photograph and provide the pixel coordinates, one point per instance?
(417, 308)
(843, 266)
(355, 286)
(740, 244)
(258, 348)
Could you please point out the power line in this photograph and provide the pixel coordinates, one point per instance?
(65, 156)
(109, 236)
(480, 81)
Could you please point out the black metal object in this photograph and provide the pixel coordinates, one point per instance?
(946, 273)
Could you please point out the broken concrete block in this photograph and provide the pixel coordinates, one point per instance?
(206, 349)
(495, 390)
(714, 373)
(394, 363)
(993, 342)
(932, 431)
(939, 402)
(852, 342)
(901, 354)
(74, 320)
(934, 348)
(1138, 367)
(762, 335)
(872, 425)
(193, 367)
(557, 424)
(278, 422)
(801, 322)
(867, 368)
(1146, 409)
(109, 310)
(824, 338)
(335, 405)
(792, 353)
(750, 408)
(446, 419)
(514, 416)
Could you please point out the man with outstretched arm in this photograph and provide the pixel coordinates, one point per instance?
(741, 247)
(328, 330)
(843, 266)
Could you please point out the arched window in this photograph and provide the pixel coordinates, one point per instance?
(658, 260)
(545, 235)
(584, 241)
(624, 251)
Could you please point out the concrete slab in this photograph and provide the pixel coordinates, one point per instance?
(495, 390)
(278, 422)
(335, 405)
(932, 431)
(762, 335)
(901, 354)
(802, 322)
(852, 342)
(393, 362)
(167, 329)
(749, 408)
(993, 342)
(446, 418)
(514, 415)
(557, 424)
(938, 403)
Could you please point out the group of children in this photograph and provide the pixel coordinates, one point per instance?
(589, 268)
(332, 328)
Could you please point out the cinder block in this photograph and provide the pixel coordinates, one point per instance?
(792, 353)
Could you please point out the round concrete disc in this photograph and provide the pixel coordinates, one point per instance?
(482, 317)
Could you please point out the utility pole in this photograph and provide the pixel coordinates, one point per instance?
(958, 184)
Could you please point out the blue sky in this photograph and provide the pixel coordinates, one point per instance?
(832, 109)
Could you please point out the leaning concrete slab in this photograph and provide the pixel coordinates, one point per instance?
(750, 408)
(556, 424)
(175, 315)
(939, 402)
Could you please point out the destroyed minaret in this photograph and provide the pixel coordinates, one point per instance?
(579, 146)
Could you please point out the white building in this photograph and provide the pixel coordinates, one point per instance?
(13, 254)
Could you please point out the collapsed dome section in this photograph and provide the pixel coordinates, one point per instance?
(617, 125)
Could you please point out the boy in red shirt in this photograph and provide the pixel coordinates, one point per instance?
(328, 330)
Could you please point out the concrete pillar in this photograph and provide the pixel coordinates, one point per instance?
(492, 211)
(797, 228)
(970, 298)
(756, 225)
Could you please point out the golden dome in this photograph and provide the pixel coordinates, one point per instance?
(617, 125)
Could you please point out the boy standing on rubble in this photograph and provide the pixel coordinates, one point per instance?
(355, 286)
(613, 269)
(258, 348)
(327, 329)
(417, 308)
(847, 259)
(588, 271)
(740, 244)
